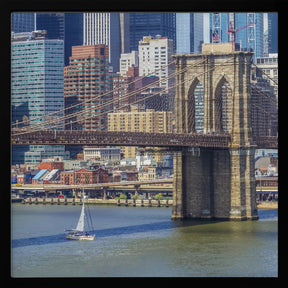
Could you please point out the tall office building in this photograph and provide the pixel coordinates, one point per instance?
(87, 82)
(64, 26)
(250, 36)
(107, 28)
(36, 85)
(151, 24)
(154, 56)
(22, 22)
(53, 23)
(189, 32)
(272, 32)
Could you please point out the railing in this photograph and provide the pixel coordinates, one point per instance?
(142, 139)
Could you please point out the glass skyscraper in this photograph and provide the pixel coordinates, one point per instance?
(23, 21)
(36, 84)
(249, 37)
(189, 32)
(64, 26)
(272, 32)
(36, 76)
(151, 24)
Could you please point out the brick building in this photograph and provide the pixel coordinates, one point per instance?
(87, 81)
(84, 176)
(51, 165)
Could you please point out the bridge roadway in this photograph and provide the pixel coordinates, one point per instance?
(52, 187)
(141, 139)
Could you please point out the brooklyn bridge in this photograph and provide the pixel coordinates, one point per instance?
(213, 139)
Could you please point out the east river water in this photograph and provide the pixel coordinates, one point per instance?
(140, 242)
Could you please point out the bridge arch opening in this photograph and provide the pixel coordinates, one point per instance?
(195, 107)
(223, 106)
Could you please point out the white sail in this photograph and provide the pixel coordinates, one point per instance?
(80, 225)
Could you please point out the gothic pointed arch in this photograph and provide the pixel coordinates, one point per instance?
(223, 106)
(195, 107)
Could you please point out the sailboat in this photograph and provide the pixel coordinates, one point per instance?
(79, 233)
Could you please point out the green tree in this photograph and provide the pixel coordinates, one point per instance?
(158, 197)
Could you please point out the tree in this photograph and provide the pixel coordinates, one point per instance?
(158, 197)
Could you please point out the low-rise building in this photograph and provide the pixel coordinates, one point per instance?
(51, 164)
(148, 173)
(84, 176)
(112, 154)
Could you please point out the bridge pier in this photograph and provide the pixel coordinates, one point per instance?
(243, 185)
(217, 184)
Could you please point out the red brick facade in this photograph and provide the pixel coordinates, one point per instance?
(84, 176)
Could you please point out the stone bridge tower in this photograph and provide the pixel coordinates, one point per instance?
(213, 96)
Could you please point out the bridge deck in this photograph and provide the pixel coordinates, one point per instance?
(141, 139)
(120, 139)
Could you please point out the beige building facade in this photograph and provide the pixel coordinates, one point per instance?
(139, 121)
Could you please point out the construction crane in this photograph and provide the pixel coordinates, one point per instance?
(233, 31)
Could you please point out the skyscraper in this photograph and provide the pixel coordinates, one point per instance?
(87, 83)
(36, 85)
(53, 23)
(36, 76)
(151, 24)
(104, 28)
(189, 32)
(22, 22)
(64, 26)
(250, 36)
(272, 32)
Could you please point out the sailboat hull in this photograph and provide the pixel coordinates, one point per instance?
(80, 237)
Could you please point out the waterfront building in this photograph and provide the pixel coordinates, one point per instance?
(189, 32)
(151, 24)
(154, 56)
(36, 88)
(87, 80)
(107, 28)
(84, 176)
